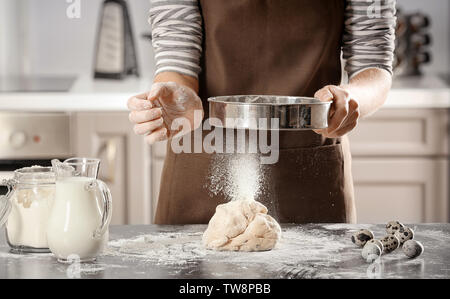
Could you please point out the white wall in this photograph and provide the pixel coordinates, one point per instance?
(59, 45)
(12, 39)
(439, 13)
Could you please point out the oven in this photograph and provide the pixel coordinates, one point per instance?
(28, 139)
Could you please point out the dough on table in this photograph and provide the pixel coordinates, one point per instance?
(241, 225)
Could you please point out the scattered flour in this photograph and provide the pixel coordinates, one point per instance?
(435, 234)
(6, 253)
(344, 226)
(95, 268)
(309, 251)
(162, 248)
(297, 248)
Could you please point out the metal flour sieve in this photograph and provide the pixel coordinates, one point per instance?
(263, 111)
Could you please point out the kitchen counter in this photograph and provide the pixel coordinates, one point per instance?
(86, 94)
(110, 95)
(419, 92)
(306, 251)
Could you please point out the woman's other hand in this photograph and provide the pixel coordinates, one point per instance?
(167, 110)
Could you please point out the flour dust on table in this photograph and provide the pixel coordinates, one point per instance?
(304, 251)
(180, 250)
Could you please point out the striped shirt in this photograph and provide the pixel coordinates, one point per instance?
(367, 42)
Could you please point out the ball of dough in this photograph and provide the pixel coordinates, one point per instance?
(241, 225)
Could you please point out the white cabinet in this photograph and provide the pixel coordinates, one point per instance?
(412, 190)
(400, 166)
(402, 132)
(125, 165)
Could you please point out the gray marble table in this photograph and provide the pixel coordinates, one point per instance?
(305, 251)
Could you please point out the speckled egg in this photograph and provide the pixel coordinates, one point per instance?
(412, 248)
(361, 237)
(393, 226)
(371, 252)
(377, 242)
(390, 243)
(404, 234)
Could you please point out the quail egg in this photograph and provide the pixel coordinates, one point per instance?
(371, 252)
(390, 243)
(361, 237)
(404, 234)
(412, 248)
(393, 226)
(376, 242)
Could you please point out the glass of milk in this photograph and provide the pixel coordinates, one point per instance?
(79, 219)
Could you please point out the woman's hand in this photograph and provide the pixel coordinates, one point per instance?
(344, 112)
(166, 110)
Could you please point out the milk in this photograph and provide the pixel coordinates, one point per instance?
(75, 215)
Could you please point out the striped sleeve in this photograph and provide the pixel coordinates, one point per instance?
(369, 35)
(176, 36)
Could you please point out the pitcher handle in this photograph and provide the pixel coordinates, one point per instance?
(5, 203)
(107, 208)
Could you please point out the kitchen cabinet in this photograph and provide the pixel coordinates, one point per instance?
(402, 132)
(125, 166)
(412, 190)
(400, 166)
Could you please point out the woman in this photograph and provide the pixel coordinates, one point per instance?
(290, 47)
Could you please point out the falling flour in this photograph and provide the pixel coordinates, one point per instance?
(236, 176)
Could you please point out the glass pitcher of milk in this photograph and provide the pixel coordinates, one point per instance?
(81, 212)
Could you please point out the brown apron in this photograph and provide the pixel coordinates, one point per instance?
(289, 47)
